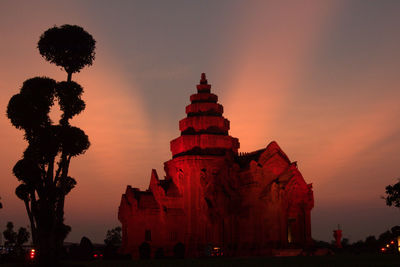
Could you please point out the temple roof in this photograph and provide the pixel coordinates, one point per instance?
(204, 131)
(260, 156)
(244, 159)
(145, 199)
(169, 187)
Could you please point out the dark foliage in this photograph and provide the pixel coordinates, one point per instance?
(14, 239)
(69, 97)
(85, 249)
(10, 236)
(67, 46)
(113, 237)
(43, 169)
(373, 245)
(29, 109)
(393, 195)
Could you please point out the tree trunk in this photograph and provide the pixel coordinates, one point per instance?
(69, 76)
(47, 247)
(32, 222)
(47, 232)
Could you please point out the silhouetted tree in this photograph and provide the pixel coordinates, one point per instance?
(15, 240)
(345, 242)
(113, 242)
(1, 205)
(393, 195)
(43, 169)
(68, 46)
(371, 244)
(85, 249)
(10, 236)
(113, 237)
(395, 231)
(385, 237)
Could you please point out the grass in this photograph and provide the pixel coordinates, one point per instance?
(323, 261)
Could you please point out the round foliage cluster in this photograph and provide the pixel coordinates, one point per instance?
(68, 46)
(27, 171)
(69, 97)
(22, 192)
(74, 141)
(30, 108)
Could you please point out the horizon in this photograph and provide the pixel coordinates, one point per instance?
(319, 78)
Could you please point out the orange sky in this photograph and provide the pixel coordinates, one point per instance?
(319, 77)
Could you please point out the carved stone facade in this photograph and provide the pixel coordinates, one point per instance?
(213, 196)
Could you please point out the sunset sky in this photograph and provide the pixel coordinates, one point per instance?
(321, 78)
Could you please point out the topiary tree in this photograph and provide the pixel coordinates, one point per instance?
(393, 195)
(68, 46)
(43, 169)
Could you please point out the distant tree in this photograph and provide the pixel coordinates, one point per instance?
(10, 236)
(371, 244)
(13, 239)
(370, 240)
(385, 237)
(43, 169)
(393, 195)
(345, 242)
(22, 236)
(85, 248)
(396, 230)
(1, 205)
(113, 237)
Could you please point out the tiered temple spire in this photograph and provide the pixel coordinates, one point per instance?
(204, 131)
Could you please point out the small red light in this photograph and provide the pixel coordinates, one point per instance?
(391, 242)
(101, 255)
(95, 255)
(32, 254)
(383, 249)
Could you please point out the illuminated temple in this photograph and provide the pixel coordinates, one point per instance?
(214, 197)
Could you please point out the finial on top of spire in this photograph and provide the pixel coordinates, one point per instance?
(203, 87)
(203, 79)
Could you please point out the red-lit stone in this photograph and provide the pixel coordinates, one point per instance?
(243, 204)
(204, 97)
(202, 123)
(337, 234)
(204, 107)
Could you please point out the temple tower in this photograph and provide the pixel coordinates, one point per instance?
(204, 131)
(198, 163)
(239, 204)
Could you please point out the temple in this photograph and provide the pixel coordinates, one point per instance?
(215, 200)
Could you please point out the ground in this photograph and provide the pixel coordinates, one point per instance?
(324, 261)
